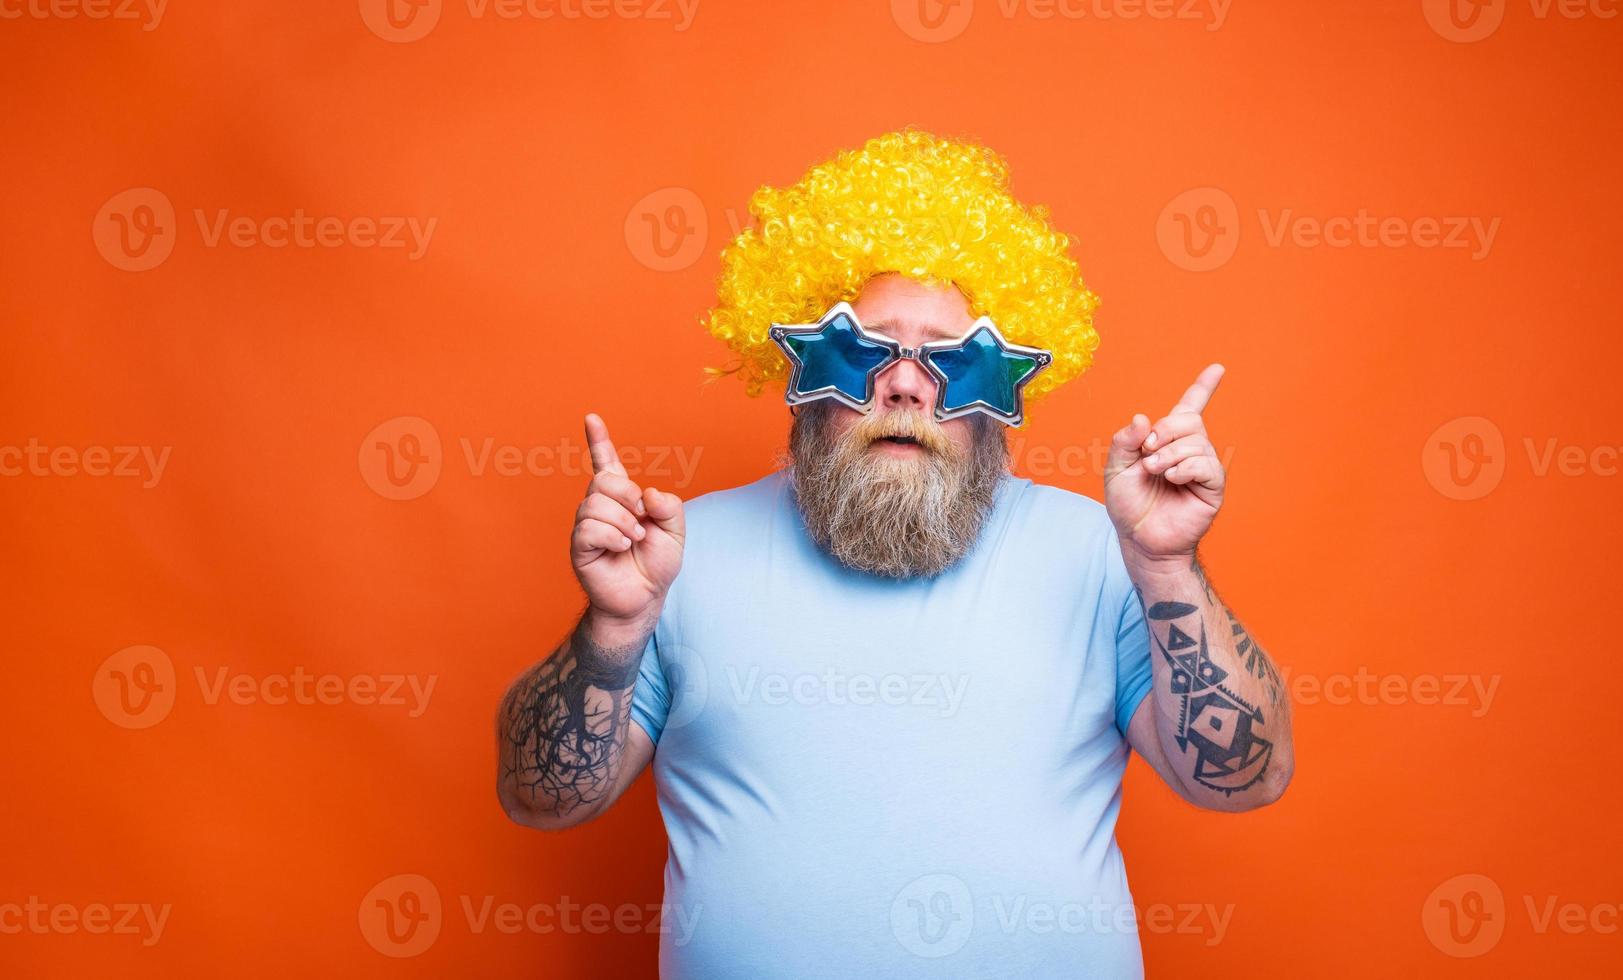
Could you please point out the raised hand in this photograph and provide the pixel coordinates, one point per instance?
(1164, 482)
(627, 542)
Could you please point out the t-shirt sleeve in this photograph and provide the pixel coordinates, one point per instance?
(1132, 660)
(651, 698)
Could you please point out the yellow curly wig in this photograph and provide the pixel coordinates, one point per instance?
(937, 210)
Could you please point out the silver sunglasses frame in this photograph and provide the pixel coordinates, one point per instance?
(780, 333)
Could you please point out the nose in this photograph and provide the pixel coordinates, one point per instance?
(905, 386)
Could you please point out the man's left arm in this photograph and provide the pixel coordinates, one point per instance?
(1216, 724)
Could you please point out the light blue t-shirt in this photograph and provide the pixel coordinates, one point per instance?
(871, 778)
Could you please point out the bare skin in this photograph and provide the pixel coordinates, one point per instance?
(1216, 726)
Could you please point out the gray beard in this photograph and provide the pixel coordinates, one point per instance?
(898, 518)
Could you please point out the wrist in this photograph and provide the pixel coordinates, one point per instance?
(1158, 571)
(614, 634)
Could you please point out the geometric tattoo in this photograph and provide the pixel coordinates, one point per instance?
(1256, 661)
(557, 745)
(1229, 754)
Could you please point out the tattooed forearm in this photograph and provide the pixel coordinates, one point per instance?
(563, 725)
(1220, 695)
(1256, 661)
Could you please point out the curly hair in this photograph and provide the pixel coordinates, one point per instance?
(934, 209)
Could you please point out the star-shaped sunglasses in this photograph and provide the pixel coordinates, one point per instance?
(979, 372)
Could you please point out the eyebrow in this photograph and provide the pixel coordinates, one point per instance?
(933, 332)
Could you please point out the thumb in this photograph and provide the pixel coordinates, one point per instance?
(665, 510)
(1126, 446)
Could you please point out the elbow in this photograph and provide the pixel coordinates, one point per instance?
(1267, 790)
(531, 814)
(1271, 788)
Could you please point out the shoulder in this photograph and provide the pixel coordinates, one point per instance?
(727, 536)
(1069, 534)
(726, 519)
(720, 507)
(1029, 500)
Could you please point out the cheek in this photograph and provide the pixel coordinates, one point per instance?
(841, 419)
(960, 432)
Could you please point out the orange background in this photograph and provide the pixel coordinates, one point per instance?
(534, 143)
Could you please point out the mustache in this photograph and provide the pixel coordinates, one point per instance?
(901, 423)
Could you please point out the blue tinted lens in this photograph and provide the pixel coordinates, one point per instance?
(982, 370)
(836, 357)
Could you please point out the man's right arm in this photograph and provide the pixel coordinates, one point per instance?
(565, 745)
(564, 733)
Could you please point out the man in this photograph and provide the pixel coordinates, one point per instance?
(889, 690)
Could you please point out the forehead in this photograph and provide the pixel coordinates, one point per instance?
(912, 311)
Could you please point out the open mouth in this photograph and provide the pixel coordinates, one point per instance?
(899, 440)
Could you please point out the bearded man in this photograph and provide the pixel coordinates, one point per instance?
(889, 690)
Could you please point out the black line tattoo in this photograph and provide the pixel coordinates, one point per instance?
(1256, 661)
(1230, 755)
(561, 744)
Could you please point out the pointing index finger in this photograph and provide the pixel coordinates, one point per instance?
(1199, 393)
(604, 457)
